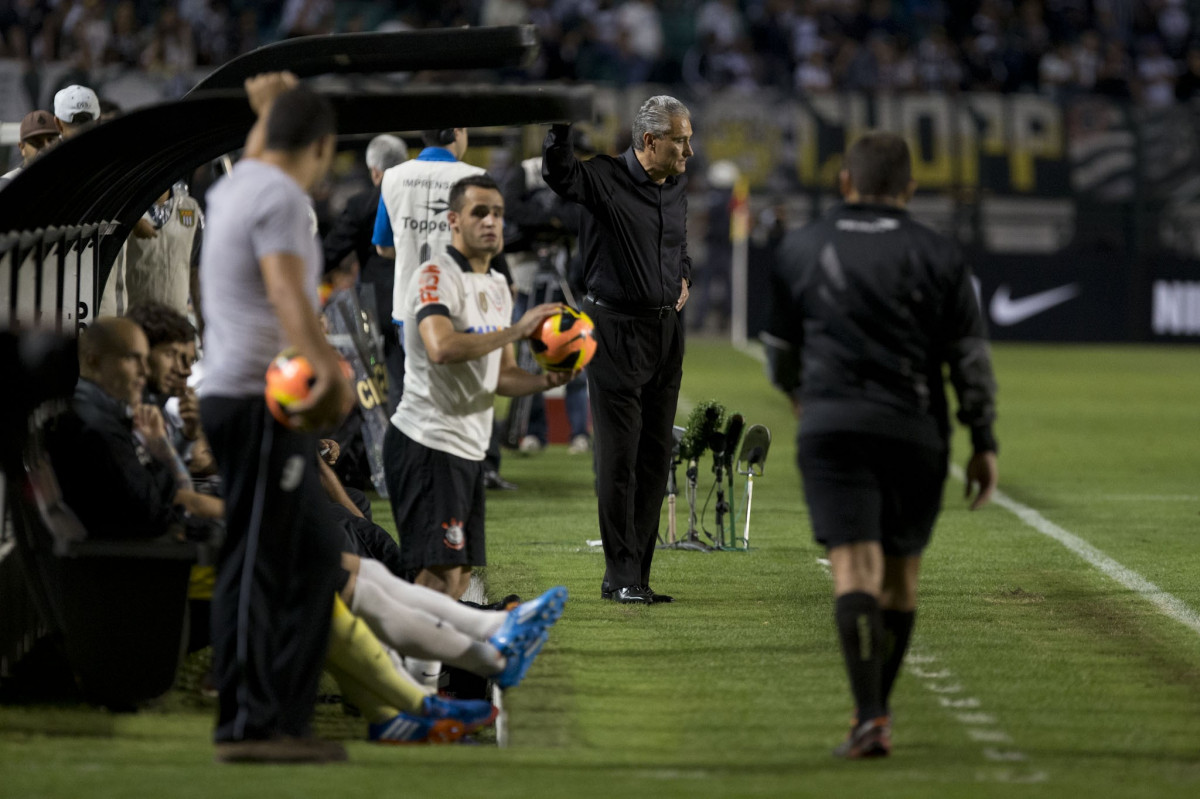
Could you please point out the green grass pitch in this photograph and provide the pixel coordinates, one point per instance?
(1035, 675)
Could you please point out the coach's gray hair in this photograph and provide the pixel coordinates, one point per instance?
(385, 151)
(655, 117)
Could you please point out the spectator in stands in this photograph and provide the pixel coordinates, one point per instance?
(813, 76)
(1157, 74)
(128, 39)
(641, 39)
(1086, 57)
(38, 132)
(1056, 72)
(1188, 85)
(306, 18)
(75, 107)
(1112, 78)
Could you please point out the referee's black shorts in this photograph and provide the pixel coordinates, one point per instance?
(438, 503)
(863, 487)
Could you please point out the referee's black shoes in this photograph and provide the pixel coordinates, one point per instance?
(634, 595)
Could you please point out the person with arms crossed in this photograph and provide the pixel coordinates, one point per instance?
(459, 337)
(277, 572)
(637, 272)
(867, 307)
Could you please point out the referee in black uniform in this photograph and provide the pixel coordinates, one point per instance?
(868, 307)
(637, 271)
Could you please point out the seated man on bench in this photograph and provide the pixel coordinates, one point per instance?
(120, 474)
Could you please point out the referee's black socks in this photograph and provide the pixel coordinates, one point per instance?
(897, 629)
(860, 629)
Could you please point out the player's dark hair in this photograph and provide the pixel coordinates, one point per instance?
(297, 118)
(880, 165)
(459, 190)
(438, 138)
(162, 324)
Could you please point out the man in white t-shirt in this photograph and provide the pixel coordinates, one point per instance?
(460, 356)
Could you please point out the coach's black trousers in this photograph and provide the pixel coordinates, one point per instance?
(276, 574)
(633, 386)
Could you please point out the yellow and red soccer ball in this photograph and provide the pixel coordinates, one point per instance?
(290, 377)
(565, 342)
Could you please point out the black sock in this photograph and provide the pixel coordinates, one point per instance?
(897, 629)
(860, 629)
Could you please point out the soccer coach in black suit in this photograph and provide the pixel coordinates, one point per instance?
(637, 271)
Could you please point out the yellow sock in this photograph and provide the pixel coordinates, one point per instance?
(355, 650)
(201, 582)
(374, 709)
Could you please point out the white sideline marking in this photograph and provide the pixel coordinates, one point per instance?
(1169, 604)
(944, 689)
(1147, 497)
(990, 736)
(929, 675)
(982, 719)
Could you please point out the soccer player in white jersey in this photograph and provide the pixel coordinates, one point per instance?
(459, 339)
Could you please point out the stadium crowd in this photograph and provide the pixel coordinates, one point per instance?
(1142, 50)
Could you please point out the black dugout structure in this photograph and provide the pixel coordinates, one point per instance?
(63, 221)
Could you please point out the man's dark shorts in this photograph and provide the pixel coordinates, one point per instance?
(872, 488)
(438, 502)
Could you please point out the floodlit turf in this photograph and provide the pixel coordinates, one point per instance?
(1035, 674)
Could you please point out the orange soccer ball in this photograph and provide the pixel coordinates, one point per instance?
(289, 379)
(565, 342)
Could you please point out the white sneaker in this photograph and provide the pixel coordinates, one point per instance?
(579, 445)
(530, 444)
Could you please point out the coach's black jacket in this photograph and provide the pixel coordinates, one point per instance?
(867, 307)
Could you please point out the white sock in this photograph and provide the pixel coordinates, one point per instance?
(422, 638)
(479, 624)
(426, 672)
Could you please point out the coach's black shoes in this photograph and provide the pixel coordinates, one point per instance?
(870, 738)
(657, 598)
(493, 480)
(607, 592)
(632, 595)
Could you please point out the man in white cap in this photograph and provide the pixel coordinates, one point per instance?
(74, 107)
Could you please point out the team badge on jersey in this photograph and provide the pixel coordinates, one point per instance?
(187, 217)
(454, 537)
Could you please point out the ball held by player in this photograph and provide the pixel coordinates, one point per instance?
(565, 342)
(290, 378)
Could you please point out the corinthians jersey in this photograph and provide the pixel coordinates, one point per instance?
(448, 406)
(415, 195)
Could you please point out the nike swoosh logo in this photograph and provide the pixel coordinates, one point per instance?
(1007, 312)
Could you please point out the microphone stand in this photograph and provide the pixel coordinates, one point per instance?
(691, 539)
(722, 506)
